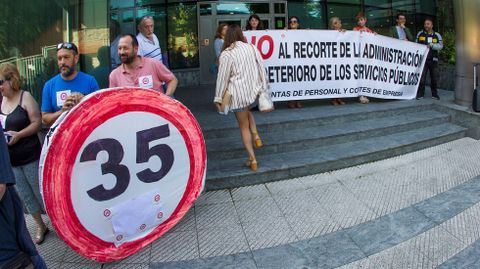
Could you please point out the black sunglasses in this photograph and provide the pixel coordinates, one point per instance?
(68, 46)
(294, 21)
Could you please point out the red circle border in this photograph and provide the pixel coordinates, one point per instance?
(70, 136)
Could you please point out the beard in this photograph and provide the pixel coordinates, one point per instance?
(67, 70)
(126, 58)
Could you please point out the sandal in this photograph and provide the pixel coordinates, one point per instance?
(40, 235)
(252, 163)
(335, 102)
(341, 102)
(257, 142)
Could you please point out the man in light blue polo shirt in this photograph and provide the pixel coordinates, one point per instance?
(149, 46)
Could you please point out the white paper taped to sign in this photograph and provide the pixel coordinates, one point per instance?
(136, 216)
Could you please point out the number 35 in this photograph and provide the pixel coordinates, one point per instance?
(120, 171)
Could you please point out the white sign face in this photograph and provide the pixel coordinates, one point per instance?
(121, 169)
(144, 168)
(314, 64)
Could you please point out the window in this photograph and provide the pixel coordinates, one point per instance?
(346, 13)
(242, 8)
(379, 20)
(182, 35)
(310, 13)
(28, 38)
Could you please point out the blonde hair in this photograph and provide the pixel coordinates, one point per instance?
(10, 72)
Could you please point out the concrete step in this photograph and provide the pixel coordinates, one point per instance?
(296, 139)
(272, 167)
(280, 120)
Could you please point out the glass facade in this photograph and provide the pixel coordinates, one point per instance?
(94, 24)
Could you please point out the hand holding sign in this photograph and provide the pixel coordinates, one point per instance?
(123, 168)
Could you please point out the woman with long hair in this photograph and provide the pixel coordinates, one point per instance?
(219, 36)
(21, 121)
(254, 23)
(242, 74)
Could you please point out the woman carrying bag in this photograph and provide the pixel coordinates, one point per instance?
(241, 79)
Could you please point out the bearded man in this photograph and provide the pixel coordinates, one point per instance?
(139, 71)
(64, 91)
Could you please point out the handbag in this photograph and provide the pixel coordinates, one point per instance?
(265, 103)
(224, 106)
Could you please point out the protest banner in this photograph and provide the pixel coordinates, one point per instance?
(121, 169)
(315, 64)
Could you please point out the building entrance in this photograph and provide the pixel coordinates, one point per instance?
(210, 14)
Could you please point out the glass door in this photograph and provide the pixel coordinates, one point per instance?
(210, 14)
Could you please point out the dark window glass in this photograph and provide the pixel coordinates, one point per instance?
(378, 3)
(426, 7)
(183, 35)
(149, 2)
(344, 1)
(379, 20)
(280, 23)
(114, 4)
(28, 38)
(205, 9)
(346, 13)
(242, 8)
(310, 13)
(279, 8)
(89, 29)
(407, 6)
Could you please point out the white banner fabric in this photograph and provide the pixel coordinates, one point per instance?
(316, 64)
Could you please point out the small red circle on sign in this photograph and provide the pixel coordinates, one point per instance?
(157, 198)
(63, 96)
(160, 215)
(119, 237)
(145, 80)
(143, 226)
(107, 213)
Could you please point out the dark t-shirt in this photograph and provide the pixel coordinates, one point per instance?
(8, 239)
(14, 236)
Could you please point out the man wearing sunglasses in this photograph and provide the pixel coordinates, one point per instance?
(65, 90)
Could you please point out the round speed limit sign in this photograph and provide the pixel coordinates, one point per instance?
(120, 170)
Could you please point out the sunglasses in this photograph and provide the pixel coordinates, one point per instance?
(68, 46)
(293, 21)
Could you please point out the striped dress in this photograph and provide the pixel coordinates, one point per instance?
(241, 72)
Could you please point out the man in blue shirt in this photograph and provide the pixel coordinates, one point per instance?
(16, 246)
(65, 90)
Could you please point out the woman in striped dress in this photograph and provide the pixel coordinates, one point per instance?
(241, 72)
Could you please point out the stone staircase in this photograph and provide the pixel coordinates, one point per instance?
(321, 138)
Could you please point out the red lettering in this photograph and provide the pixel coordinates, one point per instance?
(269, 40)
